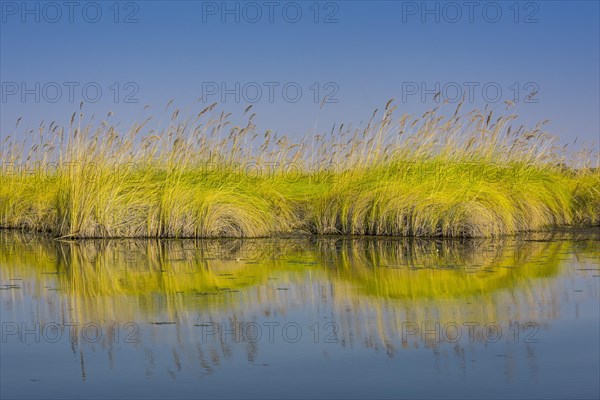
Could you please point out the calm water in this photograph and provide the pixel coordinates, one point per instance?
(310, 318)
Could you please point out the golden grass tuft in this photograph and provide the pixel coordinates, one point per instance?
(469, 175)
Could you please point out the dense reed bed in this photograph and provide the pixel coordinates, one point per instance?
(462, 174)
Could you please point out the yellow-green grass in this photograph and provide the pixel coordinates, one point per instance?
(471, 175)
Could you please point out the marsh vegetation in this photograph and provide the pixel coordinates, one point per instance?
(455, 175)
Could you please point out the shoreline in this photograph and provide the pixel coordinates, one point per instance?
(523, 235)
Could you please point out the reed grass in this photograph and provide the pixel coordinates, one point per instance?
(467, 175)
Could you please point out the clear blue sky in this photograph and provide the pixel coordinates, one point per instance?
(362, 52)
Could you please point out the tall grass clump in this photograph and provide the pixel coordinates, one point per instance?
(469, 175)
(472, 174)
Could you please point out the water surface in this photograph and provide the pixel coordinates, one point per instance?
(301, 317)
